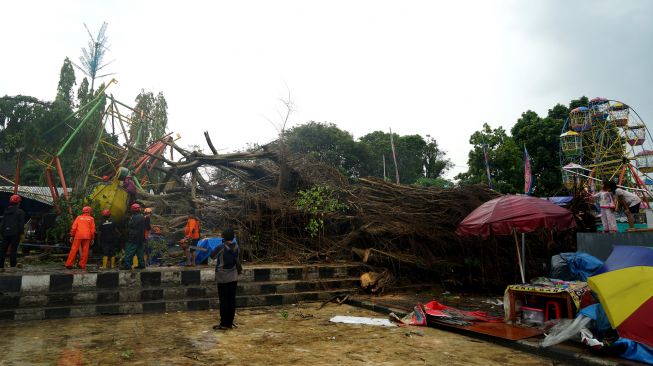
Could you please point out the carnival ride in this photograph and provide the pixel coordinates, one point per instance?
(606, 139)
(113, 125)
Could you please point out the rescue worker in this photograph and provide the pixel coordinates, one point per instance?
(82, 234)
(192, 235)
(108, 238)
(135, 238)
(12, 228)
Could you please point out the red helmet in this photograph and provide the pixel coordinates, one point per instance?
(14, 199)
(105, 178)
(106, 212)
(87, 209)
(135, 207)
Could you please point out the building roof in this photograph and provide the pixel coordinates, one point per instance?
(41, 194)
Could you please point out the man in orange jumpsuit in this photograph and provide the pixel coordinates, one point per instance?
(192, 232)
(81, 234)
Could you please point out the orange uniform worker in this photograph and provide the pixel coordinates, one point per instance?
(192, 232)
(81, 234)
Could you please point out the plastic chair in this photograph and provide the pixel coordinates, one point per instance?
(556, 307)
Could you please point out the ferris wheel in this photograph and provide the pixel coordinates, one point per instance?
(607, 139)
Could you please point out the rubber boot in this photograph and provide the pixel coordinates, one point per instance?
(105, 259)
(113, 262)
(135, 262)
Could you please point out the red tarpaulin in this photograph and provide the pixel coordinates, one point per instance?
(524, 214)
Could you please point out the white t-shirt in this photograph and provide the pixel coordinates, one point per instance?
(630, 198)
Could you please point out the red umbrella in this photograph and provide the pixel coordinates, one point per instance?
(509, 214)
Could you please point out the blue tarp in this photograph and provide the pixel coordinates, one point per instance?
(210, 244)
(560, 201)
(596, 313)
(582, 265)
(635, 351)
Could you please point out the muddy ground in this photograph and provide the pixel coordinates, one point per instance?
(298, 335)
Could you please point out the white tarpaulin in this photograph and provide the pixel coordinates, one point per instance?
(362, 320)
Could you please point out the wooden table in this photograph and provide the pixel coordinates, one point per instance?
(552, 293)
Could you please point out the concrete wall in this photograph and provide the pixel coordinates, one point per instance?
(600, 245)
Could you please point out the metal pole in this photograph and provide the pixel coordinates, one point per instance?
(523, 253)
(521, 267)
(79, 127)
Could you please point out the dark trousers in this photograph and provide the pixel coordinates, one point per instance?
(227, 297)
(131, 250)
(11, 242)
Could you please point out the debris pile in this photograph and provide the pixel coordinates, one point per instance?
(256, 192)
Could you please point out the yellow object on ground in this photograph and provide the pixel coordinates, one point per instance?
(619, 294)
(113, 197)
(105, 260)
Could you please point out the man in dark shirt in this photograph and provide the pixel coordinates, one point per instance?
(135, 238)
(108, 239)
(12, 227)
(227, 269)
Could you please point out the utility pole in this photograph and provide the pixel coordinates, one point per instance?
(394, 156)
(384, 176)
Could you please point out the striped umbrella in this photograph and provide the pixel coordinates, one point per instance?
(625, 288)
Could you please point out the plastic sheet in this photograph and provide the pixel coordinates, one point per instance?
(361, 320)
(565, 330)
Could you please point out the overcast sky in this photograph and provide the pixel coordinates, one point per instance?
(420, 67)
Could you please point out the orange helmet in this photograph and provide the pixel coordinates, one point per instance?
(147, 211)
(14, 199)
(106, 212)
(87, 209)
(135, 207)
(105, 178)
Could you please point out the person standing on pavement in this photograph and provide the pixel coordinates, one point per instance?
(12, 228)
(192, 234)
(82, 235)
(628, 201)
(108, 238)
(135, 238)
(227, 269)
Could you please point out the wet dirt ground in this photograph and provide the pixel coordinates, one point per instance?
(297, 335)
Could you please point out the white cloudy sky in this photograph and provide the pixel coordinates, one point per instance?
(421, 67)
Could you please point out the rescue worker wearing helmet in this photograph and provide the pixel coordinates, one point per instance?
(82, 235)
(12, 227)
(108, 238)
(135, 238)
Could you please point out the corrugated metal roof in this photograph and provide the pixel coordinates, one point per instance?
(41, 194)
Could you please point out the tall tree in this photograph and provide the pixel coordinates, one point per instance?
(541, 136)
(506, 162)
(66, 83)
(150, 120)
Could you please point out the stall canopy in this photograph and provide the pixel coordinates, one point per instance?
(524, 214)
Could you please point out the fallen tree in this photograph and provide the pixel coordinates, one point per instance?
(321, 214)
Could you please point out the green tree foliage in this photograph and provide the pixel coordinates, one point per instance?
(327, 143)
(540, 135)
(416, 157)
(318, 201)
(506, 163)
(151, 119)
(66, 83)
